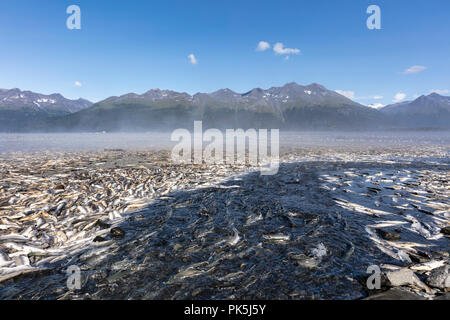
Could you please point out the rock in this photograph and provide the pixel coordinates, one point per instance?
(99, 239)
(405, 277)
(117, 232)
(102, 225)
(402, 277)
(446, 231)
(388, 235)
(445, 296)
(439, 278)
(419, 256)
(177, 246)
(395, 294)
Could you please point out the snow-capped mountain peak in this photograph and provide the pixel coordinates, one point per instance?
(15, 99)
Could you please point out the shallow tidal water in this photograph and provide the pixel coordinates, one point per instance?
(36, 142)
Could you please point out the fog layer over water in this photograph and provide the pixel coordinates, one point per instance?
(158, 140)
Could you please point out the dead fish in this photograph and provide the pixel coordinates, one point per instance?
(82, 210)
(235, 238)
(232, 276)
(277, 237)
(4, 259)
(428, 266)
(22, 260)
(61, 236)
(17, 238)
(417, 226)
(191, 271)
(113, 215)
(60, 208)
(349, 252)
(253, 218)
(305, 261)
(403, 256)
(118, 275)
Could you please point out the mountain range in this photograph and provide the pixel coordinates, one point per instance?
(20, 109)
(290, 107)
(430, 111)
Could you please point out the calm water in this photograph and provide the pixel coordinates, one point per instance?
(150, 140)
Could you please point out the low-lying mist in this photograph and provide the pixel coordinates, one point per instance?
(161, 140)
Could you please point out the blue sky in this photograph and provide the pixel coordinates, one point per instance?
(133, 46)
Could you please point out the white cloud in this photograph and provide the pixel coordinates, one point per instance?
(441, 92)
(192, 59)
(279, 48)
(376, 97)
(263, 46)
(376, 105)
(78, 84)
(414, 69)
(399, 97)
(348, 94)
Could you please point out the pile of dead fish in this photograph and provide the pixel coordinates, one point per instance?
(53, 202)
(140, 227)
(407, 215)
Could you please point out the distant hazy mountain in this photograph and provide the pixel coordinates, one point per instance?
(20, 108)
(426, 111)
(289, 107)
